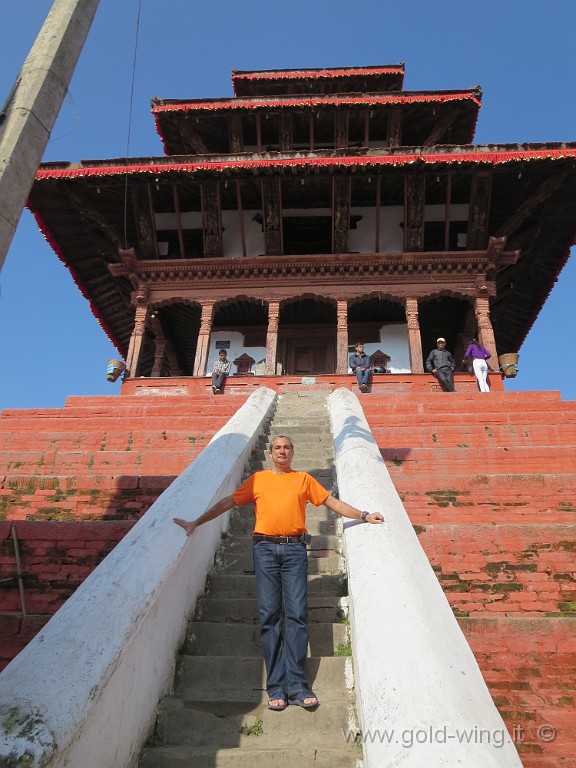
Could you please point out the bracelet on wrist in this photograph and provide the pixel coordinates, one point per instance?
(363, 516)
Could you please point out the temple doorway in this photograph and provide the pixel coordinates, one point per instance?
(307, 337)
(306, 357)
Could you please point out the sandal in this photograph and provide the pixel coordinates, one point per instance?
(275, 707)
(299, 700)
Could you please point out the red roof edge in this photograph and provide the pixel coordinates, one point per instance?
(55, 245)
(549, 291)
(473, 155)
(315, 100)
(159, 132)
(301, 74)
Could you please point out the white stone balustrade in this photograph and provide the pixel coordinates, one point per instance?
(85, 690)
(421, 698)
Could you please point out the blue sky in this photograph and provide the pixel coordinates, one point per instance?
(521, 52)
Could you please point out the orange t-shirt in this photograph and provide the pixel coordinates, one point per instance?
(280, 500)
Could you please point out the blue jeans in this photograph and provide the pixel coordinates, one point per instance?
(282, 590)
(362, 376)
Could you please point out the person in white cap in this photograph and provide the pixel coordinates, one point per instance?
(441, 363)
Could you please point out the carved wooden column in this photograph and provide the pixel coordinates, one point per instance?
(342, 338)
(211, 218)
(414, 202)
(235, 133)
(395, 127)
(272, 337)
(286, 131)
(159, 357)
(341, 195)
(485, 330)
(340, 128)
(272, 215)
(414, 338)
(203, 338)
(479, 210)
(143, 219)
(171, 365)
(140, 299)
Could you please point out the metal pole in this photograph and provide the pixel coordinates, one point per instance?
(19, 569)
(36, 100)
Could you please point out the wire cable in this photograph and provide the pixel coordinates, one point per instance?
(130, 111)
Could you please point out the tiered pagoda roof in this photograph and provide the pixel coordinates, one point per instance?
(341, 140)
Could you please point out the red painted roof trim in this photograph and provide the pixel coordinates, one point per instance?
(367, 161)
(313, 101)
(308, 74)
(52, 242)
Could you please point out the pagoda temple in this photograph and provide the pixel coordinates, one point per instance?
(315, 208)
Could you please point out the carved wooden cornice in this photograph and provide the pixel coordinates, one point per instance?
(432, 271)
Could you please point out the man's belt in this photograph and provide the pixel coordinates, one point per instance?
(300, 538)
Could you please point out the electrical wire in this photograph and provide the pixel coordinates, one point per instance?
(130, 112)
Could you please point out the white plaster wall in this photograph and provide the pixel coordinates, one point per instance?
(84, 692)
(416, 677)
(362, 239)
(393, 342)
(237, 348)
(253, 234)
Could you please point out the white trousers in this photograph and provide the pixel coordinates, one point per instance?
(481, 373)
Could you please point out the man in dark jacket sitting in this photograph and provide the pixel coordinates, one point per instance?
(441, 363)
(361, 366)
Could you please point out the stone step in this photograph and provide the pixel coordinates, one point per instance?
(323, 472)
(215, 639)
(243, 678)
(244, 610)
(238, 562)
(312, 437)
(318, 522)
(316, 468)
(252, 727)
(218, 715)
(319, 542)
(188, 756)
(242, 585)
(312, 454)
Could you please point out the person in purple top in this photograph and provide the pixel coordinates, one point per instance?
(478, 355)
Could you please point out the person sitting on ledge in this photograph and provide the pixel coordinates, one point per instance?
(220, 371)
(361, 366)
(441, 363)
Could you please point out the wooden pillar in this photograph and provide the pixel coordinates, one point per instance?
(485, 330)
(395, 127)
(272, 337)
(158, 357)
(414, 338)
(272, 215)
(137, 339)
(342, 338)
(414, 209)
(211, 218)
(203, 338)
(341, 196)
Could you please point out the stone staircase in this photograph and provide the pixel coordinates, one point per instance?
(217, 715)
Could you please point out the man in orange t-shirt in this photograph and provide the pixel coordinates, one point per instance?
(280, 496)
